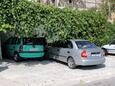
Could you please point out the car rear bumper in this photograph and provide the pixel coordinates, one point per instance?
(31, 54)
(87, 62)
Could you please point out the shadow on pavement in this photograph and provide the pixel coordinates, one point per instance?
(3, 67)
(84, 67)
(92, 67)
(29, 62)
(111, 55)
(34, 62)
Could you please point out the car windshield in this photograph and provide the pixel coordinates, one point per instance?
(85, 44)
(34, 41)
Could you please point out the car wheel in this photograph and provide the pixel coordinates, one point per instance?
(46, 56)
(71, 63)
(17, 58)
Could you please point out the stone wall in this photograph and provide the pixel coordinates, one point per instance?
(113, 16)
(72, 3)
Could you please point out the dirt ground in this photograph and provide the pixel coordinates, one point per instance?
(52, 73)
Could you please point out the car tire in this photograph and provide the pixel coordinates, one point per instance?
(40, 59)
(17, 57)
(71, 63)
(46, 56)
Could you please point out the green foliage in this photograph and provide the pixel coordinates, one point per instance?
(6, 15)
(111, 31)
(28, 19)
(107, 7)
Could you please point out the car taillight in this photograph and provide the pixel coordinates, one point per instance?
(21, 48)
(84, 54)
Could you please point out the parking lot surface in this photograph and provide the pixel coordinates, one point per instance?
(103, 82)
(52, 73)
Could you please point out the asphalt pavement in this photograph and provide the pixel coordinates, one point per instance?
(53, 73)
(104, 82)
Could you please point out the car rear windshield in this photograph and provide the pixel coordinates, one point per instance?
(34, 41)
(85, 44)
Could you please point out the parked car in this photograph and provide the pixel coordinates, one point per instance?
(19, 48)
(109, 48)
(76, 52)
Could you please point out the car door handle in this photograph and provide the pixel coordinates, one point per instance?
(68, 51)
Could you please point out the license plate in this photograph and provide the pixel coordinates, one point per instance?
(33, 49)
(96, 55)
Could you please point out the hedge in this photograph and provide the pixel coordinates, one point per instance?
(28, 19)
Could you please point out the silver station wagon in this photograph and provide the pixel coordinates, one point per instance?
(76, 52)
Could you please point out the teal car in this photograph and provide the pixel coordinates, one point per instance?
(24, 48)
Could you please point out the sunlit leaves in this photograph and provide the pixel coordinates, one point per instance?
(29, 19)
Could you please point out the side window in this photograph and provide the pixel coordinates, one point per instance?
(67, 44)
(64, 44)
(54, 44)
(58, 44)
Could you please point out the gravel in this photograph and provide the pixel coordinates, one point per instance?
(53, 73)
